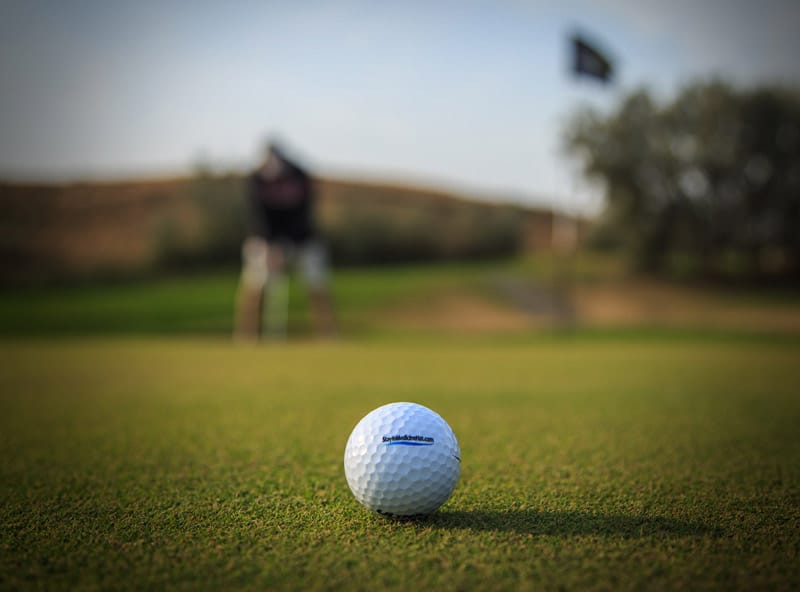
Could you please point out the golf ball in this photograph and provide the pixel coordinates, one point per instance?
(402, 459)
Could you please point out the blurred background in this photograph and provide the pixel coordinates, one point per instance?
(481, 167)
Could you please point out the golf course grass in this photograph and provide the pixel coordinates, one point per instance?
(626, 463)
(203, 304)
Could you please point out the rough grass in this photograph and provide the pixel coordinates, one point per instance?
(588, 464)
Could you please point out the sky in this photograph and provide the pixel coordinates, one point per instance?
(470, 96)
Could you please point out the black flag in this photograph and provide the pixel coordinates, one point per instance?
(588, 61)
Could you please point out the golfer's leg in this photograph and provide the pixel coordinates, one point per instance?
(314, 261)
(251, 289)
(276, 294)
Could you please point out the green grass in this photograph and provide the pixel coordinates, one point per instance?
(587, 464)
(204, 304)
(610, 458)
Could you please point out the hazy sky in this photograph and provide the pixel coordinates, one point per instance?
(464, 94)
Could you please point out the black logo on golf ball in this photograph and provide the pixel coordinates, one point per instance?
(408, 440)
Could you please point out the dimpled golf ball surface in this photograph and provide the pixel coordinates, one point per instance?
(402, 459)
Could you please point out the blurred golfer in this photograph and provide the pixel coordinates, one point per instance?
(281, 232)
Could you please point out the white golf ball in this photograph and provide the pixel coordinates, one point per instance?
(402, 459)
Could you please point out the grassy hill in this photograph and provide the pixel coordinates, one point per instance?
(140, 227)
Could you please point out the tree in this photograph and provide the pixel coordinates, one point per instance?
(713, 175)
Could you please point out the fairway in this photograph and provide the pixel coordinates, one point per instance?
(623, 463)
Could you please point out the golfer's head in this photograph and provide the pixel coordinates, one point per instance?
(273, 149)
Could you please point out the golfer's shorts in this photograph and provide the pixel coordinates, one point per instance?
(262, 260)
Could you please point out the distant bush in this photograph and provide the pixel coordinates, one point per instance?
(213, 236)
(397, 233)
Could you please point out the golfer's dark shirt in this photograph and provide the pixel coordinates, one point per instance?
(281, 208)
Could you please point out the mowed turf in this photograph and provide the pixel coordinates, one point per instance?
(587, 464)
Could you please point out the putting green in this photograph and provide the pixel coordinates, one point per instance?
(622, 463)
